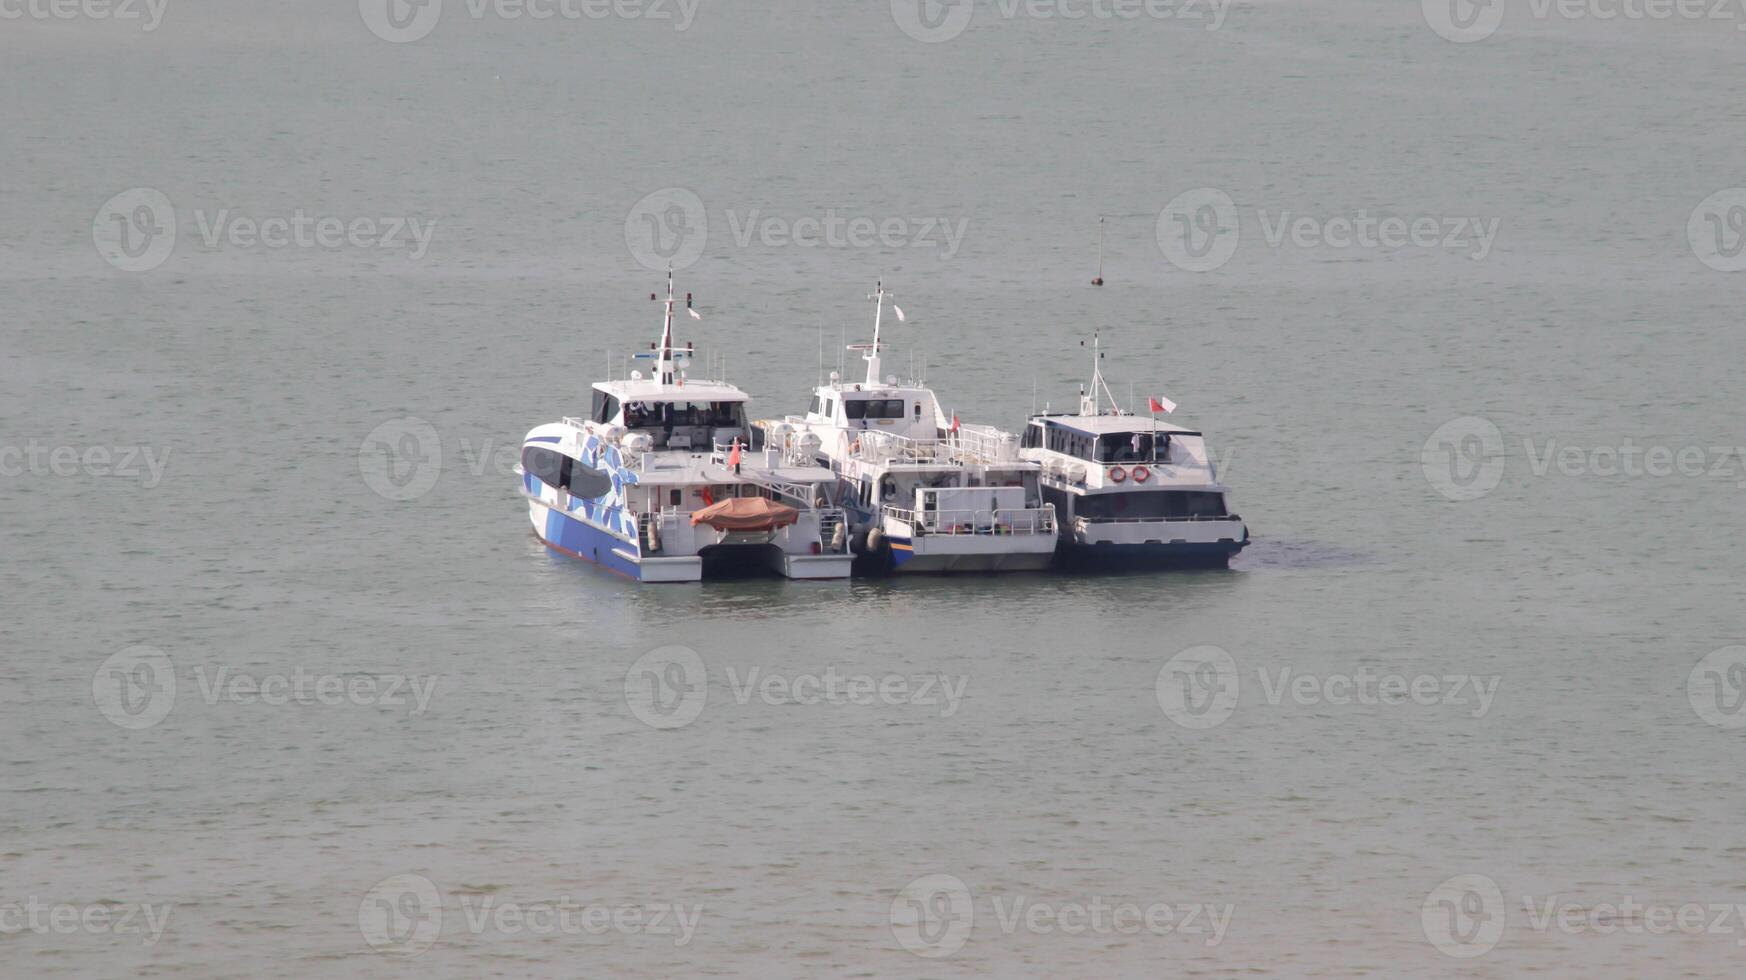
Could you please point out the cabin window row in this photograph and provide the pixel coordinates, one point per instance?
(1117, 447)
(1150, 505)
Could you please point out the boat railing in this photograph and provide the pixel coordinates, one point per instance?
(1002, 520)
(1083, 522)
(973, 445)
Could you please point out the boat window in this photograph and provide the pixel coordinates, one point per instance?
(555, 469)
(1125, 447)
(1033, 437)
(813, 408)
(541, 464)
(918, 411)
(1151, 505)
(649, 415)
(875, 408)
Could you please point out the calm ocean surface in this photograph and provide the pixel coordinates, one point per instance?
(290, 690)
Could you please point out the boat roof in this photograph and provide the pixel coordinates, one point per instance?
(1103, 425)
(650, 389)
(856, 390)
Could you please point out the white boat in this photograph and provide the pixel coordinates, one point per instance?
(923, 492)
(1131, 490)
(659, 482)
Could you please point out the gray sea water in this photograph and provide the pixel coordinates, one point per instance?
(290, 690)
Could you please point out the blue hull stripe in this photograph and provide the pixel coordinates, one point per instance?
(569, 536)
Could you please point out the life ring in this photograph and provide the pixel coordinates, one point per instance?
(1117, 474)
(1141, 474)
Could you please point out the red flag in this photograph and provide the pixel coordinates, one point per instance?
(1159, 404)
(954, 422)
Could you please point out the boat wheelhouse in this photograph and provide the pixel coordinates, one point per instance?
(1131, 490)
(659, 482)
(923, 492)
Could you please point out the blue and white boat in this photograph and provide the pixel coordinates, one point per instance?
(1131, 491)
(660, 482)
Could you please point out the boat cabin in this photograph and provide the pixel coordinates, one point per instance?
(908, 412)
(1103, 439)
(692, 417)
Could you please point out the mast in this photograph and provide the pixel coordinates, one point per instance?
(664, 357)
(1089, 403)
(663, 353)
(870, 352)
(872, 356)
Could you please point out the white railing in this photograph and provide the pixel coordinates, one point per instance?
(1030, 520)
(982, 447)
(1081, 523)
